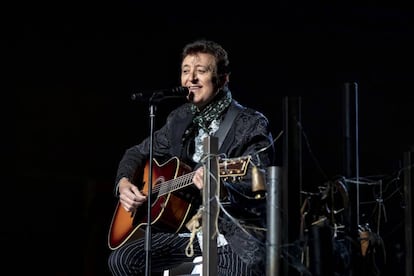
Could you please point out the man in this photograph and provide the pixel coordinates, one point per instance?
(205, 71)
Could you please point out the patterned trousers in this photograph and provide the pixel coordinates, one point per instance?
(168, 251)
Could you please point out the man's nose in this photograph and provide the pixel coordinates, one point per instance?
(193, 76)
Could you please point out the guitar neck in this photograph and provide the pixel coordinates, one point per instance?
(234, 167)
(174, 184)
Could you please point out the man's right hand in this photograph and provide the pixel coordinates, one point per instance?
(129, 195)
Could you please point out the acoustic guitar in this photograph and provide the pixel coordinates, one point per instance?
(168, 211)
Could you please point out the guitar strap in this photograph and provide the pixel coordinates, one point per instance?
(225, 125)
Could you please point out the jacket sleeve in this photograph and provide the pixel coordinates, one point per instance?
(250, 136)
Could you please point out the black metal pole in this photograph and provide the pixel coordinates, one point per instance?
(153, 99)
(408, 192)
(351, 162)
(148, 234)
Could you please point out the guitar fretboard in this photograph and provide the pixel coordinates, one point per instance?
(174, 184)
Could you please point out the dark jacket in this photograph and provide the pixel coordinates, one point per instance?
(248, 134)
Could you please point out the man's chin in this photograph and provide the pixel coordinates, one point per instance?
(190, 97)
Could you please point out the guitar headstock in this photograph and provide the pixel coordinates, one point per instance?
(233, 167)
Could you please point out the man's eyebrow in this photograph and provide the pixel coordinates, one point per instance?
(197, 66)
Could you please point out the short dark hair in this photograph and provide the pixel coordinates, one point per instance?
(209, 47)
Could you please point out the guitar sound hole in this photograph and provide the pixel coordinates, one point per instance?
(188, 194)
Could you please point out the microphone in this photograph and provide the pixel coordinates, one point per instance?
(180, 91)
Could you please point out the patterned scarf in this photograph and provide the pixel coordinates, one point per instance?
(212, 111)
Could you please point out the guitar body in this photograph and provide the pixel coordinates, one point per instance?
(168, 211)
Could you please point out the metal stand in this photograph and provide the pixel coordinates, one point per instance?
(292, 172)
(148, 227)
(351, 150)
(211, 179)
(408, 192)
(153, 100)
(273, 233)
(351, 163)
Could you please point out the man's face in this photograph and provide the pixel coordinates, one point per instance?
(198, 74)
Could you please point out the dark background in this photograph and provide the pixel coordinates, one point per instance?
(67, 115)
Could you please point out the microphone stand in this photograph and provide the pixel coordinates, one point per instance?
(152, 110)
(153, 101)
